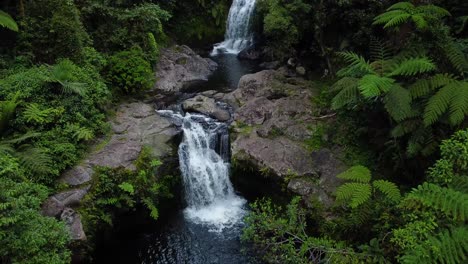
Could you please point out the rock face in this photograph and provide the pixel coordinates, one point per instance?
(136, 125)
(179, 66)
(207, 106)
(272, 122)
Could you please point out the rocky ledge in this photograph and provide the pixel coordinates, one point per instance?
(135, 125)
(179, 66)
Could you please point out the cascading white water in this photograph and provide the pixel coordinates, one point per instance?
(209, 193)
(238, 33)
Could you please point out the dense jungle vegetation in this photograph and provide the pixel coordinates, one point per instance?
(395, 74)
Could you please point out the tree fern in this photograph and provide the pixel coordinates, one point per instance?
(451, 99)
(63, 73)
(454, 55)
(413, 66)
(390, 189)
(397, 102)
(405, 12)
(449, 246)
(353, 193)
(449, 201)
(357, 65)
(83, 133)
(7, 21)
(373, 85)
(358, 173)
(423, 87)
(348, 92)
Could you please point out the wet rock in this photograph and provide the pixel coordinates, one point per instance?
(179, 66)
(272, 65)
(73, 222)
(207, 106)
(77, 176)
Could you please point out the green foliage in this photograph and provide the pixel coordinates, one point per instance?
(359, 191)
(52, 29)
(280, 234)
(404, 12)
(7, 21)
(25, 235)
(129, 71)
(118, 190)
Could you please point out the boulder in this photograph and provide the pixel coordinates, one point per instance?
(301, 70)
(206, 106)
(55, 204)
(73, 222)
(179, 66)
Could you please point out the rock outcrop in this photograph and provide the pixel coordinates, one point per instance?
(179, 66)
(273, 120)
(135, 125)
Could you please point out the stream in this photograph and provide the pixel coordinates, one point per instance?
(206, 227)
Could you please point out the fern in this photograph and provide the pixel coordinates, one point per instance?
(7, 21)
(413, 66)
(398, 103)
(83, 133)
(358, 173)
(390, 189)
(357, 65)
(451, 99)
(355, 194)
(63, 73)
(449, 201)
(454, 55)
(449, 246)
(372, 85)
(405, 12)
(348, 92)
(423, 87)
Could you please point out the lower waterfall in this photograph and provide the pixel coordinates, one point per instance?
(204, 163)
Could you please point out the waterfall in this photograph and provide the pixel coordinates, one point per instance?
(204, 163)
(238, 33)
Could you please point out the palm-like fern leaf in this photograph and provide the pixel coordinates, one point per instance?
(353, 193)
(413, 66)
(455, 56)
(423, 87)
(372, 85)
(453, 98)
(7, 21)
(398, 103)
(449, 201)
(358, 173)
(35, 159)
(7, 110)
(389, 189)
(357, 65)
(449, 246)
(63, 73)
(348, 92)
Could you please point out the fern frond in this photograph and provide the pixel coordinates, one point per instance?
(381, 54)
(453, 96)
(405, 127)
(398, 103)
(35, 159)
(358, 173)
(449, 201)
(423, 87)
(413, 66)
(356, 61)
(407, 6)
(83, 133)
(74, 87)
(433, 10)
(388, 16)
(353, 193)
(348, 92)
(7, 21)
(449, 246)
(397, 20)
(63, 73)
(372, 85)
(389, 189)
(455, 56)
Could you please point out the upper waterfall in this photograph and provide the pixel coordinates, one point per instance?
(238, 33)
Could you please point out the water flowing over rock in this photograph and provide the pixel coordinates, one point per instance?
(180, 66)
(238, 33)
(204, 163)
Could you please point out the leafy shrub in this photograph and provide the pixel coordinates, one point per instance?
(129, 71)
